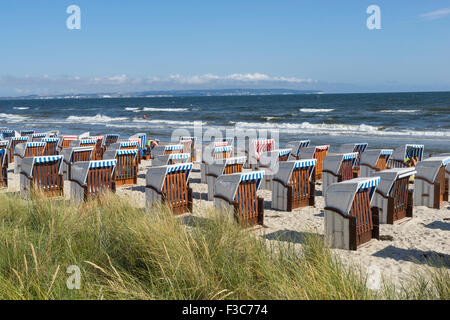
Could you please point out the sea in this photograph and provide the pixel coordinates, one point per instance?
(383, 120)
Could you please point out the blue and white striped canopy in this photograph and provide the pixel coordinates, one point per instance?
(368, 183)
(102, 164)
(129, 144)
(127, 151)
(414, 150)
(304, 143)
(180, 167)
(173, 147)
(360, 147)
(223, 149)
(19, 138)
(88, 141)
(352, 155)
(36, 144)
(50, 140)
(179, 156)
(39, 135)
(305, 163)
(283, 152)
(47, 159)
(7, 131)
(250, 176)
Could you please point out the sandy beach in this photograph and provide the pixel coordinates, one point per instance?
(402, 248)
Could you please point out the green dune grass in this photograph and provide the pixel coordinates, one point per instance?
(128, 253)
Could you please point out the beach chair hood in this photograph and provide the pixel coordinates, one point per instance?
(388, 178)
(210, 150)
(80, 170)
(175, 157)
(429, 168)
(333, 162)
(142, 139)
(156, 175)
(216, 169)
(23, 139)
(227, 185)
(309, 152)
(20, 149)
(340, 195)
(408, 151)
(370, 157)
(28, 163)
(285, 169)
(353, 147)
(269, 159)
(297, 145)
(68, 152)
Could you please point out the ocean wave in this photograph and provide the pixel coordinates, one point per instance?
(339, 129)
(313, 110)
(97, 119)
(21, 108)
(399, 111)
(12, 117)
(166, 109)
(132, 109)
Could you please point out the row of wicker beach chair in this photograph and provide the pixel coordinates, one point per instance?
(362, 187)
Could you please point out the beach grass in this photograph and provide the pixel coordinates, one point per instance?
(124, 252)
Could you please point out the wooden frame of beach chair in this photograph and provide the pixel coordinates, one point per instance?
(269, 162)
(85, 143)
(319, 153)
(407, 151)
(211, 155)
(431, 183)
(98, 148)
(293, 186)
(393, 197)
(51, 145)
(338, 168)
(170, 185)
(350, 220)
(126, 168)
(65, 141)
(373, 161)
(296, 147)
(221, 167)
(27, 150)
(74, 155)
(3, 168)
(12, 145)
(170, 159)
(189, 146)
(237, 193)
(91, 179)
(43, 174)
(354, 147)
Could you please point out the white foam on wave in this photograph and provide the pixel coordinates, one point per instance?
(21, 108)
(12, 117)
(166, 109)
(399, 111)
(314, 110)
(338, 129)
(132, 109)
(97, 119)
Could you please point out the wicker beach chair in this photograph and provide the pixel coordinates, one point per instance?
(237, 193)
(296, 147)
(3, 169)
(110, 139)
(319, 153)
(350, 220)
(51, 145)
(401, 154)
(269, 161)
(373, 161)
(293, 186)
(256, 148)
(99, 147)
(65, 142)
(189, 146)
(126, 168)
(211, 155)
(354, 147)
(170, 185)
(221, 167)
(91, 179)
(74, 155)
(27, 150)
(431, 184)
(43, 174)
(13, 142)
(166, 149)
(337, 168)
(393, 198)
(142, 139)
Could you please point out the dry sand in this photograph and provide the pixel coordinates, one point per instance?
(404, 247)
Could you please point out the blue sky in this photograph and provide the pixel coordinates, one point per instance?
(155, 45)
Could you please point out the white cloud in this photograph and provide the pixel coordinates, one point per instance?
(437, 14)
